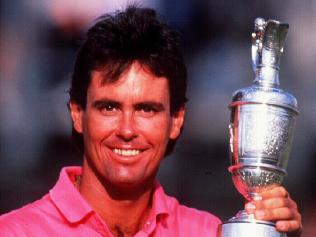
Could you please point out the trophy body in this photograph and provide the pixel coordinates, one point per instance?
(261, 130)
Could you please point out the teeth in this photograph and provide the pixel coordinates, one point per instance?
(121, 152)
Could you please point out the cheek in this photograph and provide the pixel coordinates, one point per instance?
(156, 130)
(98, 127)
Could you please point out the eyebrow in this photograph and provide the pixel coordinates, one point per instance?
(153, 104)
(104, 102)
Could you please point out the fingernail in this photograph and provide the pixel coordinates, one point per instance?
(250, 206)
(257, 198)
(259, 214)
(281, 226)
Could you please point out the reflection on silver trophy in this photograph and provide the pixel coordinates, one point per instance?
(261, 130)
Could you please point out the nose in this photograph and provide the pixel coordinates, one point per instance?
(126, 128)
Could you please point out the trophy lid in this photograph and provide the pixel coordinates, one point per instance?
(267, 47)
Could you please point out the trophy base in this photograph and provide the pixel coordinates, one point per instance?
(244, 225)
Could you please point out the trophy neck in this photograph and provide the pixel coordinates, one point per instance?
(267, 70)
(267, 76)
(267, 47)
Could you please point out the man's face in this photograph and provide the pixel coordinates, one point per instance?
(126, 125)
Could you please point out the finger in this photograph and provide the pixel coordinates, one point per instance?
(278, 191)
(288, 226)
(272, 203)
(283, 213)
(250, 207)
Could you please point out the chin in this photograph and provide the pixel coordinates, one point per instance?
(133, 182)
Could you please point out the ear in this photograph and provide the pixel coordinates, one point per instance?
(177, 123)
(76, 113)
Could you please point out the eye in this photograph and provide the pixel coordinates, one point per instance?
(147, 110)
(109, 109)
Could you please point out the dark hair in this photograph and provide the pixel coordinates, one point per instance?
(118, 40)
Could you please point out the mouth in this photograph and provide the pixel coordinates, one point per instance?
(126, 152)
(127, 156)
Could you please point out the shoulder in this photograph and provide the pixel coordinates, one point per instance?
(197, 222)
(181, 220)
(198, 217)
(22, 221)
(42, 216)
(11, 227)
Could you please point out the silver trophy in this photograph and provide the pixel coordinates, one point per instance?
(261, 130)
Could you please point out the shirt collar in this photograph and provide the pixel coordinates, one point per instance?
(74, 207)
(67, 198)
(159, 201)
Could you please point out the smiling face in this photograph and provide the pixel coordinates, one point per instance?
(126, 125)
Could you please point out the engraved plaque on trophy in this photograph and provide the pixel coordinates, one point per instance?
(261, 130)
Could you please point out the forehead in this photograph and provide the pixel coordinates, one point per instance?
(135, 83)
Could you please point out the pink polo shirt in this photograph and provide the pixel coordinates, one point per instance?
(64, 212)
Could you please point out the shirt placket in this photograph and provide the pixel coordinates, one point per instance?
(100, 226)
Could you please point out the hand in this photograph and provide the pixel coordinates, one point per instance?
(275, 204)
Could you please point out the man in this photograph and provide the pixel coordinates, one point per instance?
(127, 102)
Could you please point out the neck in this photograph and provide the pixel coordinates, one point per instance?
(125, 210)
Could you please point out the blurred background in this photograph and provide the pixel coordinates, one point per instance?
(38, 44)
